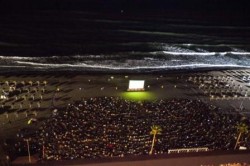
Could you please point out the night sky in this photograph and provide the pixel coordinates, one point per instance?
(222, 9)
(236, 6)
(235, 12)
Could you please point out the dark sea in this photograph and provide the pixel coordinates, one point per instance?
(87, 41)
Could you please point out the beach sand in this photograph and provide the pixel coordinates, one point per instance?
(61, 90)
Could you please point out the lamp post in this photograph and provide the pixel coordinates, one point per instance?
(28, 146)
(43, 152)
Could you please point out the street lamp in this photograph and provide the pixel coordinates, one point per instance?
(28, 146)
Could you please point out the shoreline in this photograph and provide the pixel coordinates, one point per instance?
(119, 72)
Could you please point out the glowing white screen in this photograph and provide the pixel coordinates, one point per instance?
(136, 84)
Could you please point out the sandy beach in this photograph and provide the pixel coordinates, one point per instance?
(78, 87)
(41, 94)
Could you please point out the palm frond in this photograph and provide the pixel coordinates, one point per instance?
(155, 129)
(242, 128)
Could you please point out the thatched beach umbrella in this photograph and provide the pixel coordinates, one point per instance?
(7, 83)
(14, 82)
(45, 82)
(31, 83)
(23, 83)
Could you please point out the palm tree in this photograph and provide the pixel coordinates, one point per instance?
(154, 131)
(242, 128)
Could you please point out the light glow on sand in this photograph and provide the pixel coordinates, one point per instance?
(138, 96)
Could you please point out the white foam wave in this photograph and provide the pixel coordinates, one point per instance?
(175, 52)
(17, 58)
(6, 66)
(48, 64)
(151, 60)
(115, 67)
(210, 27)
(190, 53)
(211, 45)
(160, 33)
(240, 53)
(206, 53)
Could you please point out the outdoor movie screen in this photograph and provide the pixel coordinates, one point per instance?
(136, 85)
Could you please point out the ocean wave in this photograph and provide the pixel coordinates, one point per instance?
(167, 49)
(222, 27)
(206, 53)
(17, 58)
(115, 67)
(165, 33)
(211, 45)
(178, 58)
(174, 51)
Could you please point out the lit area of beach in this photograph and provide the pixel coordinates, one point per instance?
(28, 101)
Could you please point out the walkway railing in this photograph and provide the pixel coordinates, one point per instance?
(187, 150)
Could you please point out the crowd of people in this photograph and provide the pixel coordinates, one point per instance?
(113, 127)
